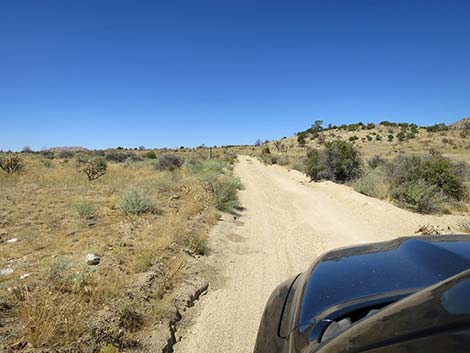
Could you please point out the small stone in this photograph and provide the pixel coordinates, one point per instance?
(12, 240)
(93, 259)
(6, 271)
(92, 222)
(26, 275)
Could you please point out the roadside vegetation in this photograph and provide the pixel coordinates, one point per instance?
(94, 243)
(424, 169)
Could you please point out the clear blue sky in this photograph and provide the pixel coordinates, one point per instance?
(169, 73)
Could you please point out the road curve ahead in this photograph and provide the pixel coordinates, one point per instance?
(286, 224)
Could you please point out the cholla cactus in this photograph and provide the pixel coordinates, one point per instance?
(94, 168)
(11, 163)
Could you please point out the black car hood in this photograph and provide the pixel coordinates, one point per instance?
(381, 273)
(436, 319)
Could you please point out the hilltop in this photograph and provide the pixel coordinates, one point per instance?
(386, 139)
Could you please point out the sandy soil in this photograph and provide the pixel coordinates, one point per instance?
(287, 223)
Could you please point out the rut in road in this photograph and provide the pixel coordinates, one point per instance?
(286, 224)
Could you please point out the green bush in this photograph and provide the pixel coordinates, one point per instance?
(434, 170)
(225, 190)
(85, 209)
(219, 178)
(63, 276)
(426, 183)
(133, 202)
(401, 136)
(353, 138)
(120, 157)
(374, 184)
(150, 155)
(420, 195)
(437, 127)
(339, 162)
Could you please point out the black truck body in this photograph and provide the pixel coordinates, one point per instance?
(382, 297)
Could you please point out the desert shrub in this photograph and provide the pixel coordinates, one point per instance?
(109, 348)
(369, 138)
(265, 150)
(378, 137)
(434, 170)
(65, 154)
(134, 158)
(47, 163)
(166, 182)
(225, 190)
(206, 170)
(93, 168)
(420, 195)
(130, 319)
(63, 277)
(425, 183)
(376, 161)
(197, 243)
(279, 160)
(27, 149)
(47, 154)
(437, 127)
(169, 162)
(353, 138)
(120, 157)
(219, 179)
(266, 155)
(339, 162)
(298, 165)
(85, 209)
(301, 139)
(374, 184)
(11, 163)
(98, 153)
(133, 202)
(150, 155)
(462, 170)
(464, 226)
(401, 136)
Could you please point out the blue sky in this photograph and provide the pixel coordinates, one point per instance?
(102, 73)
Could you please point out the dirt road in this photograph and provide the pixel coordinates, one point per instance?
(287, 223)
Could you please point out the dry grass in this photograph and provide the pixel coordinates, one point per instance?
(50, 320)
(58, 217)
(465, 226)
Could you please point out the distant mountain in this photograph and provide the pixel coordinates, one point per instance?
(461, 124)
